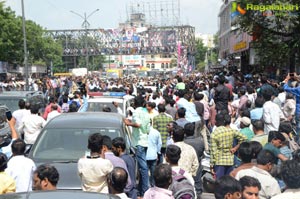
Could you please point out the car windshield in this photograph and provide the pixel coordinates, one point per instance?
(12, 104)
(67, 144)
(98, 106)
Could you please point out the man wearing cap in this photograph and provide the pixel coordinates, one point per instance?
(245, 130)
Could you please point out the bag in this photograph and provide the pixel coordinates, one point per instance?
(293, 145)
(181, 187)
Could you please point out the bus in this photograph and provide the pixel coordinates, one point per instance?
(114, 73)
(143, 72)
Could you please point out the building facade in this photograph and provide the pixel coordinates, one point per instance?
(234, 45)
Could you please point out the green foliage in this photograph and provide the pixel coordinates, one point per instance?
(95, 62)
(10, 40)
(41, 49)
(200, 51)
(201, 66)
(276, 34)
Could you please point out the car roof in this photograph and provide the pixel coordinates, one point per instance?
(90, 119)
(58, 194)
(106, 99)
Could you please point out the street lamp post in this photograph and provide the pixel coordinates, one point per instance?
(25, 48)
(85, 25)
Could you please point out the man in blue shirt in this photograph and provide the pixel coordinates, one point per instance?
(119, 149)
(296, 92)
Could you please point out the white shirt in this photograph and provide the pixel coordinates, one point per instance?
(19, 115)
(119, 110)
(269, 185)
(32, 126)
(52, 114)
(21, 169)
(92, 172)
(271, 116)
(281, 97)
(35, 87)
(288, 194)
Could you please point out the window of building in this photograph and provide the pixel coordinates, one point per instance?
(162, 65)
(148, 65)
(167, 65)
(152, 66)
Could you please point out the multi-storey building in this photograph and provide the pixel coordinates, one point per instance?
(234, 44)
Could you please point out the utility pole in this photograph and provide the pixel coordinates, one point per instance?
(25, 48)
(85, 25)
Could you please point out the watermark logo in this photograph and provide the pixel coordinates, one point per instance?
(265, 9)
(236, 9)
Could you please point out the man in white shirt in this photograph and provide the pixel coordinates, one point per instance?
(269, 185)
(32, 125)
(18, 115)
(93, 169)
(20, 167)
(271, 112)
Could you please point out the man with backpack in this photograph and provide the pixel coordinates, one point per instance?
(162, 179)
(183, 183)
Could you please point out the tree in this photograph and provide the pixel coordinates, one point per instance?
(10, 36)
(41, 49)
(200, 53)
(276, 32)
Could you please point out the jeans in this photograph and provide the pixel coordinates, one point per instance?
(143, 169)
(222, 170)
(198, 180)
(151, 166)
(162, 155)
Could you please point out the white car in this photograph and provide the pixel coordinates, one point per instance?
(99, 100)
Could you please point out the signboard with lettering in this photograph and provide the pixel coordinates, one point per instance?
(239, 41)
(132, 59)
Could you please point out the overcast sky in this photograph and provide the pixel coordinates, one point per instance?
(55, 14)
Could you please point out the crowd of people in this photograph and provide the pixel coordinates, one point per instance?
(249, 125)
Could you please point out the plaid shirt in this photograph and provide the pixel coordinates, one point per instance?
(160, 123)
(221, 143)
